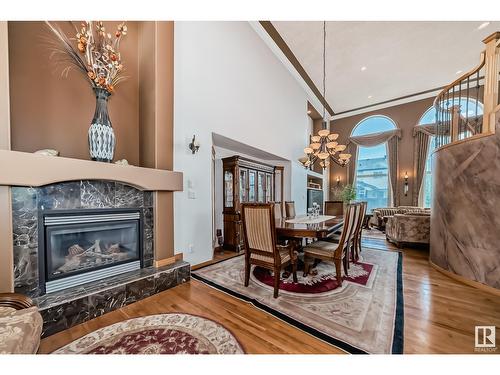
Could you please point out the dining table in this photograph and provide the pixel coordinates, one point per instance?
(300, 227)
(309, 227)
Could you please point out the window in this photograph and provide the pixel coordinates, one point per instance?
(425, 197)
(372, 169)
(469, 106)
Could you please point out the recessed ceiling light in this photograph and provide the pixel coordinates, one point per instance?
(370, 96)
(458, 72)
(363, 68)
(483, 25)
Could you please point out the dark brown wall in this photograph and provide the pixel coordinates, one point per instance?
(50, 111)
(406, 116)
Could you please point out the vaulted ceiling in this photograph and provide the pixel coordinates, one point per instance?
(372, 62)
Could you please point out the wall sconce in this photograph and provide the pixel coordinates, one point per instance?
(194, 145)
(338, 180)
(406, 184)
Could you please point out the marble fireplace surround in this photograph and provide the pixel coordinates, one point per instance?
(30, 183)
(28, 202)
(68, 307)
(21, 169)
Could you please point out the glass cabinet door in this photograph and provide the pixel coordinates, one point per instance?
(228, 188)
(269, 187)
(260, 186)
(251, 185)
(243, 185)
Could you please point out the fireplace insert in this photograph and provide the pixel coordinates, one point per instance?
(81, 246)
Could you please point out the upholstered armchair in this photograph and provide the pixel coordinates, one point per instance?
(411, 228)
(261, 247)
(380, 213)
(20, 324)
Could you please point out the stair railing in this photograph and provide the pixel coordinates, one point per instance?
(466, 107)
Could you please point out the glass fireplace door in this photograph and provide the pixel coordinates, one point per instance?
(75, 248)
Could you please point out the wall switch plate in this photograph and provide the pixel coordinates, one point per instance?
(190, 248)
(191, 194)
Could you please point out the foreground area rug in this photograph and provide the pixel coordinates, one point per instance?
(365, 315)
(373, 234)
(158, 334)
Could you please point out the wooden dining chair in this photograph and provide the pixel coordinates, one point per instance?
(334, 208)
(278, 213)
(356, 243)
(338, 253)
(259, 229)
(289, 210)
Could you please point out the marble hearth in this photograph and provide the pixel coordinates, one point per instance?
(69, 307)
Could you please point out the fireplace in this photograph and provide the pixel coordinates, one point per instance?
(80, 246)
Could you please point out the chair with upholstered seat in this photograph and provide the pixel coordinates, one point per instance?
(338, 253)
(355, 246)
(334, 208)
(259, 229)
(289, 210)
(356, 243)
(278, 213)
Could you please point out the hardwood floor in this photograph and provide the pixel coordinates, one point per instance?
(440, 313)
(257, 331)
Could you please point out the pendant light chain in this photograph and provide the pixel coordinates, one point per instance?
(324, 146)
(324, 69)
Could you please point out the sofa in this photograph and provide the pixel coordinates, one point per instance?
(411, 228)
(384, 212)
(20, 325)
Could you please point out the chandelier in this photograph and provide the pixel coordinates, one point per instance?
(324, 147)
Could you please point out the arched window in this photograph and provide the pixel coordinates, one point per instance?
(372, 169)
(468, 108)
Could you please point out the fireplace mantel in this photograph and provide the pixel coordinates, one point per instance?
(26, 169)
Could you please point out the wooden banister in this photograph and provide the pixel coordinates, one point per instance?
(455, 123)
(492, 67)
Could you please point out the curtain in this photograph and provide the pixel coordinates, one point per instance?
(351, 167)
(375, 139)
(429, 129)
(392, 160)
(422, 135)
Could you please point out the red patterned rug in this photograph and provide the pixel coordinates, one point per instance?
(324, 281)
(158, 334)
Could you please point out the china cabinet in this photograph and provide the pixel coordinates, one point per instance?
(246, 180)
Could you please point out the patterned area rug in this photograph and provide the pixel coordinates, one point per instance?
(158, 334)
(365, 315)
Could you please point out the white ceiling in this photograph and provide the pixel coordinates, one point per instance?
(401, 58)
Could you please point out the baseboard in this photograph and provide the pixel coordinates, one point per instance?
(213, 261)
(463, 280)
(167, 261)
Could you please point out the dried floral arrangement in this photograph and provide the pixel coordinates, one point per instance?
(97, 53)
